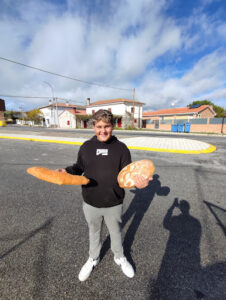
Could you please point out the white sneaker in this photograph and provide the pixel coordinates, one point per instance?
(87, 268)
(126, 267)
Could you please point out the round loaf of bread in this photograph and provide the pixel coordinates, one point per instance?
(57, 177)
(127, 176)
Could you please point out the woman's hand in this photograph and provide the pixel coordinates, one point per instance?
(142, 182)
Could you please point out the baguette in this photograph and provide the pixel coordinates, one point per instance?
(127, 176)
(57, 177)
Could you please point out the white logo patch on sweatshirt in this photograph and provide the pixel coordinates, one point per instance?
(102, 152)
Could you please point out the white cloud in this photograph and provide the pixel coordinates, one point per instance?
(118, 47)
(204, 81)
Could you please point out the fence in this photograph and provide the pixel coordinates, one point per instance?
(218, 121)
(198, 121)
(207, 125)
(166, 121)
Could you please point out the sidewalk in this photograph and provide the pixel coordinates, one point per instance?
(158, 144)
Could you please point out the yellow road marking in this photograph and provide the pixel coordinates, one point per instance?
(208, 150)
(40, 140)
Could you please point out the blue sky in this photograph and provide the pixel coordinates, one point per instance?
(171, 51)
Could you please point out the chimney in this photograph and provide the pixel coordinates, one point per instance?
(88, 101)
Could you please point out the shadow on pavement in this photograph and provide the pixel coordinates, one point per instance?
(40, 263)
(25, 239)
(136, 210)
(219, 213)
(181, 275)
(182, 255)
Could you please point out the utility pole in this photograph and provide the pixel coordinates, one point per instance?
(133, 104)
(57, 112)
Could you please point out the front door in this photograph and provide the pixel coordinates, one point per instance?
(119, 122)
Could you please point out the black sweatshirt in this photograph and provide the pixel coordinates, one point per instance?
(101, 162)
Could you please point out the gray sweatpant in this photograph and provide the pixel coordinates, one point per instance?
(112, 217)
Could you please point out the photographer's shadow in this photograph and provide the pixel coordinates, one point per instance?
(136, 210)
(180, 267)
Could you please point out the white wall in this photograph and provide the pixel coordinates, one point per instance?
(50, 114)
(23, 122)
(66, 116)
(117, 109)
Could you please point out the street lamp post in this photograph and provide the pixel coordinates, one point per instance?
(54, 100)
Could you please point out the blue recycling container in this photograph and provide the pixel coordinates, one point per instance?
(180, 127)
(174, 128)
(187, 127)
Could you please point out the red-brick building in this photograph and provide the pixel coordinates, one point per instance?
(203, 111)
(201, 119)
(2, 109)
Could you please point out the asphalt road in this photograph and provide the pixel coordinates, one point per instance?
(86, 133)
(177, 254)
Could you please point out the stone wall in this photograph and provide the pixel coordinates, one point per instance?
(127, 121)
(207, 113)
(2, 116)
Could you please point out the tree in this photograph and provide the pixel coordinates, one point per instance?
(34, 115)
(8, 114)
(220, 112)
(11, 115)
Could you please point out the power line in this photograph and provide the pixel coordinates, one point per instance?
(64, 76)
(59, 98)
(12, 96)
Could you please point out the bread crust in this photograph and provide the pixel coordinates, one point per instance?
(127, 176)
(57, 177)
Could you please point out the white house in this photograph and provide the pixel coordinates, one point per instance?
(68, 118)
(52, 112)
(128, 112)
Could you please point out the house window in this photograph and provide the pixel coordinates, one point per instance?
(135, 120)
(93, 111)
(132, 110)
(109, 109)
(68, 122)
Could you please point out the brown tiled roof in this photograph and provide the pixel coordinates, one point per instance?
(77, 112)
(175, 111)
(111, 101)
(64, 105)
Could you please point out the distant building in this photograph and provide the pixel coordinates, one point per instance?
(2, 109)
(69, 118)
(128, 112)
(52, 112)
(183, 113)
